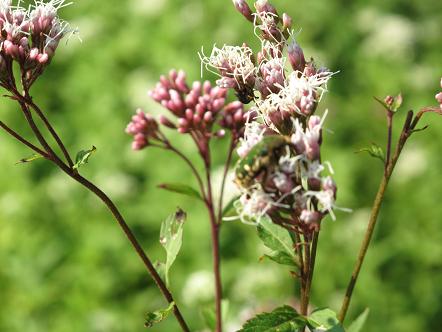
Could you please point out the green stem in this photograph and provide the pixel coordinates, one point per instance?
(406, 132)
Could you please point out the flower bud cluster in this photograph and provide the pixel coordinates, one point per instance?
(143, 128)
(196, 108)
(439, 96)
(29, 37)
(280, 172)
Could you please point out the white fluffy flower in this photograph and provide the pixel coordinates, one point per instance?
(253, 134)
(231, 61)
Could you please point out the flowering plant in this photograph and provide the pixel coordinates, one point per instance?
(285, 189)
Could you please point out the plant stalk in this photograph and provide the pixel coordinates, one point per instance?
(406, 132)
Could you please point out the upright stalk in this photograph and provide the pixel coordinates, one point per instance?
(215, 228)
(406, 132)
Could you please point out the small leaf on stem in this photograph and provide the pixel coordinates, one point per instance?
(375, 151)
(325, 320)
(171, 238)
(29, 159)
(158, 316)
(83, 156)
(358, 323)
(181, 189)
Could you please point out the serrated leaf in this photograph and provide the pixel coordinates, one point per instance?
(181, 189)
(29, 159)
(325, 320)
(83, 156)
(277, 239)
(375, 151)
(158, 316)
(171, 238)
(282, 319)
(229, 209)
(358, 323)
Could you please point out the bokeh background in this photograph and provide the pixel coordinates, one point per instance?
(64, 264)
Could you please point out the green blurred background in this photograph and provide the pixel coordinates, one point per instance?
(64, 264)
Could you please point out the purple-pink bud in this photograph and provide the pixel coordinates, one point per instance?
(189, 114)
(42, 58)
(33, 54)
(166, 122)
(244, 9)
(313, 122)
(287, 21)
(329, 184)
(389, 100)
(439, 97)
(208, 117)
(296, 56)
(264, 6)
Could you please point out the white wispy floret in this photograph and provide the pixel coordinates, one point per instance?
(253, 134)
(232, 61)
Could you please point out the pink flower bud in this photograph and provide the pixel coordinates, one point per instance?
(296, 56)
(166, 122)
(42, 58)
(389, 100)
(181, 82)
(244, 9)
(310, 217)
(220, 133)
(173, 75)
(189, 114)
(208, 117)
(329, 184)
(264, 6)
(287, 21)
(196, 88)
(439, 97)
(33, 54)
(207, 87)
(313, 122)
(196, 119)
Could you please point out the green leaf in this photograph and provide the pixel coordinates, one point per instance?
(181, 189)
(229, 209)
(282, 258)
(156, 317)
(282, 319)
(325, 320)
(171, 238)
(375, 151)
(29, 159)
(83, 156)
(358, 323)
(277, 239)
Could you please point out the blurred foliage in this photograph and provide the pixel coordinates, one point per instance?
(64, 264)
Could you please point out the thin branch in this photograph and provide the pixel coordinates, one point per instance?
(223, 182)
(21, 139)
(51, 129)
